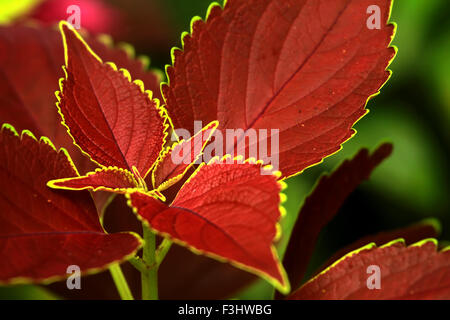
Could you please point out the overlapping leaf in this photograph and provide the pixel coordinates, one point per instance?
(306, 68)
(110, 179)
(42, 232)
(429, 228)
(322, 205)
(175, 161)
(229, 212)
(415, 272)
(112, 119)
(31, 57)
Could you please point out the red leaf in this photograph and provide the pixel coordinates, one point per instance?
(111, 118)
(429, 228)
(42, 232)
(226, 211)
(270, 64)
(415, 272)
(110, 179)
(167, 172)
(30, 66)
(323, 204)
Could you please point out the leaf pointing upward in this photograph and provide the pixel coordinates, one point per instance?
(305, 67)
(110, 179)
(31, 56)
(110, 118)
(167, 172)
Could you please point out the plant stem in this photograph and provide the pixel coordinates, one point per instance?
(162, 250)
(138, 264)
(121, 282)
(149, 278)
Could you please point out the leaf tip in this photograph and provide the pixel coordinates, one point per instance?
(282, 284)
(70, 37)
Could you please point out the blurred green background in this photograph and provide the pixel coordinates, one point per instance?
(412, 112)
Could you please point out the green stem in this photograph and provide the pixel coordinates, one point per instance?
(162, 250)
(121, 282)
(149, 278)
(138, 264)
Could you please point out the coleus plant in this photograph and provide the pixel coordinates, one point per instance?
(306, 68)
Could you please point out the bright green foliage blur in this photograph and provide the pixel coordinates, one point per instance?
(9, 10)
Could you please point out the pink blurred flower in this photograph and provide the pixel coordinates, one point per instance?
(96, 15)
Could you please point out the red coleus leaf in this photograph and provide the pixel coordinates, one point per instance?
(270, 64)
(30, 66)
(323, 204)
(111, 119)
(415, 272)
(42, 232)
(226, 211)
(429, 228)
(110, 179)
(176, 160)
